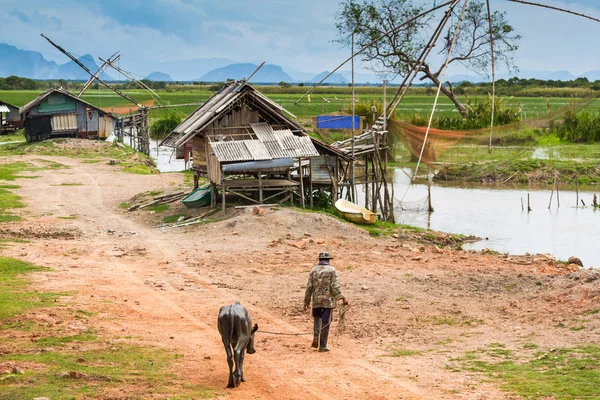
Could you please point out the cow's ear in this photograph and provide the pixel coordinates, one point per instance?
(254, 328)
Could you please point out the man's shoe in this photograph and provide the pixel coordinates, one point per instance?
(323, 349)
(315, 344)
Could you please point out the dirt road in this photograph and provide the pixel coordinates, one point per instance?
(164, 287)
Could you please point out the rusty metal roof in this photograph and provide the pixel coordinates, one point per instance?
(220, 103)
(62, 91)
(231, 151)
(264, 132)
(258, 150)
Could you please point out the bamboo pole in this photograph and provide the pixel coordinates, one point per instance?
(301, 173)
(577, 191)
(528, 203)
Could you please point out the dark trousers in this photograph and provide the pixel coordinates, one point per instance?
(322, 318)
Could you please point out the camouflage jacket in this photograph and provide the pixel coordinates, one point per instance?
(323, 287)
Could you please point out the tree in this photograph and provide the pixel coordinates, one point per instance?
(396, 52)
(284, 84)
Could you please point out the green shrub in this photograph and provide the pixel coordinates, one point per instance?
(163, 126)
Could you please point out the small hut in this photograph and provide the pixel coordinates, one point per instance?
(249, 146)
(10, 119)
(57, 112)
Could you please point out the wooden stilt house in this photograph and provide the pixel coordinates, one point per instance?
(58, 112)
(249, 146)
(9, 117)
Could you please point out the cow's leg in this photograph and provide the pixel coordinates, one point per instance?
(230, 363)
(243, 353)
(237, 376)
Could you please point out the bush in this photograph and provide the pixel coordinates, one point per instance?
(478, 116)
(163, 126)
(580, 127)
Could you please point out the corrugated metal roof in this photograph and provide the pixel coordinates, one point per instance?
(231, 151)
(4, 108)
(217, 104)
(275, 150)
(258, 150)
(47, 93)
(64, 122)
(306, 146)
(263, 132)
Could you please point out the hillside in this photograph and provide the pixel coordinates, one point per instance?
(31, 64)
(268, 73)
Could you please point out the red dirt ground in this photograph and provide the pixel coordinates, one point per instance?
(164, 286)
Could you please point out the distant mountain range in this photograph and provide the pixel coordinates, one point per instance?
(31, 64)
(159, 77)
(268, 73)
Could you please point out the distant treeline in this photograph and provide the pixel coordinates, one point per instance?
(580, 87)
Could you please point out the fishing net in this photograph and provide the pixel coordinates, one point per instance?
(439, 140)
(421, 204)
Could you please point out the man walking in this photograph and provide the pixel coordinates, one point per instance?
(323, 289)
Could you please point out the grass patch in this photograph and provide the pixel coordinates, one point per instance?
(13, 297)
(404, 353)
(9, 200)
(16, 136)
(530, 346)
(69, 184)
(568, 373)
(67, 217)
(125, 204)
(139, 169)
(171, 219)
(444, 321)
(158, 208)
(81, 365)
(97, 372)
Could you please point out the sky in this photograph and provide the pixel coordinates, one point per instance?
(296, 34)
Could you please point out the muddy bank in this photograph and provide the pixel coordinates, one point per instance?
(539, 172)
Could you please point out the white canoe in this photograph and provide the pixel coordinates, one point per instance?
(355, 213)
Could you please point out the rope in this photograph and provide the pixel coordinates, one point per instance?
(454, 39)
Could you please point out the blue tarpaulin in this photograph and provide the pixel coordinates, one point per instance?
(337, 122)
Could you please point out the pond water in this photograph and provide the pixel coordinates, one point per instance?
(165, 158)
(496, 214)
(493, 214)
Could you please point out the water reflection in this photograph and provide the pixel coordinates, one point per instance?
(497, 214)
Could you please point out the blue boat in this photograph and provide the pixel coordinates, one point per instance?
(198, 198)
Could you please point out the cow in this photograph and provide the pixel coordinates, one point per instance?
(237, 333)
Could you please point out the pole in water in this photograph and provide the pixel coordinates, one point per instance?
(528, 203)
(556, 186)
(430, 207)
(577, 191)
(522, 206)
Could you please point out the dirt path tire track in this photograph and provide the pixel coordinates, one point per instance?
(287, 369)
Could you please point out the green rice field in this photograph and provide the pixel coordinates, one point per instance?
(323, 101)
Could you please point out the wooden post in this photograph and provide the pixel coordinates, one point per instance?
(213, 195)
(223, 194)
(430, 207)
(289, 177)
(260, 189)
(301, 174)
(551, 194)
(366, 182)
(522, 207)
(557, 192)
(528, 203)
(577, 191)
(310, 185)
